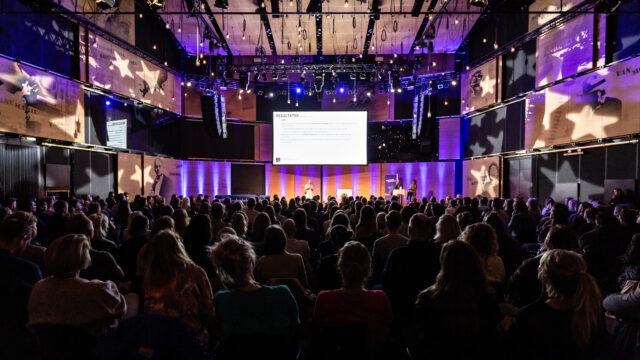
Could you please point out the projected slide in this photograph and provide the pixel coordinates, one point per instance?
(320, 138)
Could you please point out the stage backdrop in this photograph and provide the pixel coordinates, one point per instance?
(129, 173)
(565, 50)
(122, 72)
(481, 177)
(37, 103)
(481, 86)
(162, 176)
(598, 105)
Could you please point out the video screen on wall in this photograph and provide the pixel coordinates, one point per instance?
(320, 138)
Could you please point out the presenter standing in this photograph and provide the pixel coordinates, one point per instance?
(308, 189)
(412, 190)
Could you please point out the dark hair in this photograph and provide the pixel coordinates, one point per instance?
(217, 210)
(407, 212)
(162, 223)
(79, 223)
(461, 273)
(275, 240)
(259, 226)
(393, 220)
(198, 233)
(13, 228)
(139, 226)
(339, 235)
(354, 263)
(300, 218)
(59, 206)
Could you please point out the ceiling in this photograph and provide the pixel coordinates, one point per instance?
(341, 34)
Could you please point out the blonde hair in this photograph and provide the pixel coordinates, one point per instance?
(166, 256)
(564, 276)
(100, 225)
(234, 259)
(181, 220)
(447, 229)
(67, 254)
(186, 204)
(28, 218)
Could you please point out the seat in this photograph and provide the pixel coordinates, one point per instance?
(342, 341)
(145, 337)
(300, 293)
(257, 346)
(63, 342)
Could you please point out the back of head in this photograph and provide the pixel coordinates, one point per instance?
(139, 226)
(461, 272)
(407, 212)
(394, 220)
(289, 227)
(438, 210)
(234, 259)
(260, 225)
(447, 229)
(162, 223)
(300, 218)
(354, 263)
(482, 238)
(564, 276)
(80, 224)
(274, 240)
(239, 223)
(497, 223)
(497, 203)
(520, 206)
(100, 224)
(205, 208)
(419, 228)
(217, 211)
(340, 218)
(12, 229)
(198, 234)
(67, 255)
(561, 237)
(339, 235)
(559, 214)
(464, 219)
(166, 256)
(251, 203)
(60, 207)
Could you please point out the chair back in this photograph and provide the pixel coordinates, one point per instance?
(258, 346)
(63, 342)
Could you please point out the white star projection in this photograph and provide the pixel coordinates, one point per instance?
(150, 77)
(123, 65)
(582, 129)
(476, 149)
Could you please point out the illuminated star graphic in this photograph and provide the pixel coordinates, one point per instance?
(122, 65)
(149, 78)
(581, 129)
(476, 149)
(497, 140)
(477, 174)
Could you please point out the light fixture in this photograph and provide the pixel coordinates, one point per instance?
(274, 75)
(433, 63)
(296, 103)
(140, 16)
(188, 83)
(155, 47)
(334, 100)
(484, 40)
(513, 49)
(166, 26)
(166, 64)
(346, 3)
(454, 83)
(182, 83)
(290, 2)
(495, 46)
(456, 21)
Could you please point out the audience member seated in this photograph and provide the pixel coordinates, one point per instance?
(447, 229)
(181, 219)
(630, 263)
(57, 222)
(99, 240)
(624, 306)
(367, 228)
(410, 269)
(294, 245)
(29, 251)
(383, 246)
(175, 286)
(484, 241)
(522, 224)
(508, 249)
(17, 276)
(239, 223)
(65, 298)
(456, 317)
(601, 251)
(303, 232)
(568, 324)
(277, 263)
(248, 310)
(128, 252)
(102, 266)
(328, 277)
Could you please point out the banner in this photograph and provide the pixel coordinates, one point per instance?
(565, 50)
(598, 105)
(112, 20)
(162, 176)
(481, 177)
(390, 181)
(542, 11)
(122, 72)
(37, 103)
(480, 86)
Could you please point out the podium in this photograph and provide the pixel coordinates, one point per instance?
(401, 194)
(340, 193)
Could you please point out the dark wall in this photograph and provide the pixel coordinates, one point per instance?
(591, 175)
(519, 70)
(196, 143)
(392, 142)
(495, 131)
(92, 172)
(20, 171)
(247, 179)
(622, 32)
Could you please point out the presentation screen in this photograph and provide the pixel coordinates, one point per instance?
(320, 138)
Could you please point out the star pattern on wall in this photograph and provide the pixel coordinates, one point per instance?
(578, 119)
(123, 65)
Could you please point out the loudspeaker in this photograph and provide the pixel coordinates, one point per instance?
(209, 114)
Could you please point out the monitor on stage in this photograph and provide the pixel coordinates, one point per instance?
(320, 138)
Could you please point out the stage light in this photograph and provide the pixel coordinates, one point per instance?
(271, 94)
(334, 100)
(352, 76)
(513, 49)
(484, 40)
(284, 75)
(181, 83)
(399, 90)
(290, 2)
(298, 90)
(188, 83)
(296, 103)
(274, 76)
(495, 46)
(108, 103)
(166, 26)
(346, 3)
(166, 63)
(155, 47)
(341, 90)
(248, 91)
(363, 76)
(318, 82)
(454, 83)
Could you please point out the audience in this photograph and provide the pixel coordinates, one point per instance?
(456, 277)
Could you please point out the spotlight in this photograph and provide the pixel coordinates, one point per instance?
(341, 90)
(346, 3)
(271, 94)
(298, 90)
(352, 76)
(318, 81)
(188, 83)
(454, 83)
(108, 102)
(363, 76)
(274, 76)
(513, 49)
(284, 76)
(334, 100)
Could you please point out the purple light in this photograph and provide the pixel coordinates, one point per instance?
(341, 90)
(107, 102)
